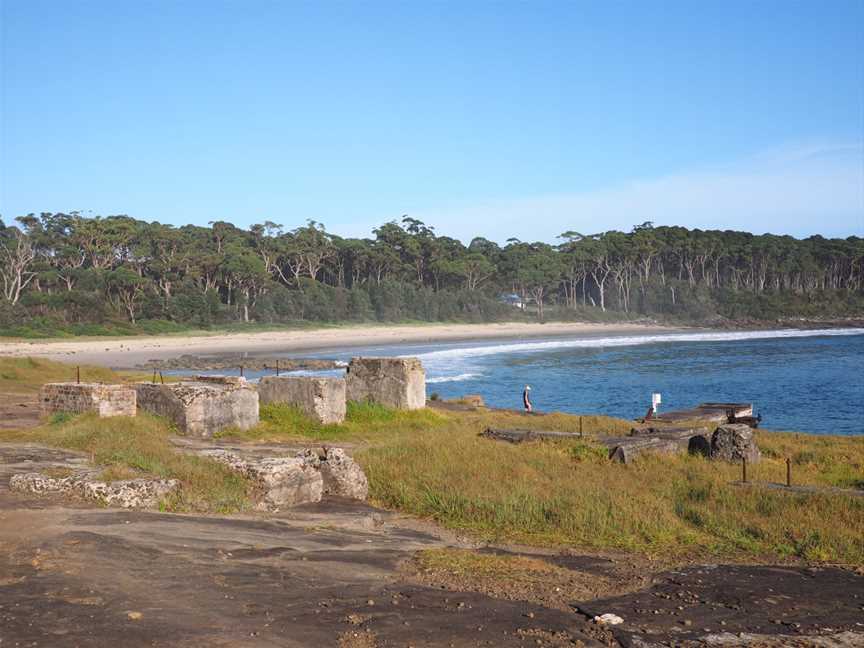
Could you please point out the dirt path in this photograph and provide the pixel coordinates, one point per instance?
(340, 573)
(18, 411)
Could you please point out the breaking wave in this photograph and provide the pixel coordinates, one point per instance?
(457, 378)
(435, 357)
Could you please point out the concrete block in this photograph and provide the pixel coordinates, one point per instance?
(399, 383)
(323, 399)
(734, 442)
(77, 398)
(204, 406)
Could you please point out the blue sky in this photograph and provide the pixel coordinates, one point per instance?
(495, 119)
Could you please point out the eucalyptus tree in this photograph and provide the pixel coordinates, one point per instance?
(17, 255)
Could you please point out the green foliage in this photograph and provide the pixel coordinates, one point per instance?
(68, 275)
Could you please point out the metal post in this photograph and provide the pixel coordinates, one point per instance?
(241, 371)
(154, 376)
(744, 469)
(580, 426)
(161, 379)
(78, 375)
(277, 366)
(788, 472)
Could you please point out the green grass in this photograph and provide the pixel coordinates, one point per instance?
(433, 464)
(127, 447)
(563, 494)
(469, 564)
(364, 423)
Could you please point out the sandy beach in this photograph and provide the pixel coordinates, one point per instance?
(125, 353)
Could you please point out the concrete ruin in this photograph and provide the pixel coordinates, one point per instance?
(204, 406)
(303, 478)
(399, 383)
(343, 477)
(322, 399)
(78, 398)
(128, 493)
(734, 442)
(283, 481)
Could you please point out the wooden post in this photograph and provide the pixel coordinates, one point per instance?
(241, 371)
(580, 425)
(277, 366)
(788, 472)
(744, 469)
(78, 375)
(161, 379)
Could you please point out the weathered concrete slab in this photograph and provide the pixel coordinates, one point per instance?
(709, 413)
(323, 399)
(204, 406)
(399, 383)
(78, 398)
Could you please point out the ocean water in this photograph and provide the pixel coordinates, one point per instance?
(808, 381)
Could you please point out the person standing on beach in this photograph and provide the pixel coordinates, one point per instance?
(526, 399)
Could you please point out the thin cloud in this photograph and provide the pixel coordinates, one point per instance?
(800, 191)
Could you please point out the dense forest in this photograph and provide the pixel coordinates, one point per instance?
(68, 273)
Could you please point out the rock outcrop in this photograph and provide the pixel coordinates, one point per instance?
(204, 406)
(129, 493)
(734, 442)
(322, 399)
(78, 398)
(399, 383)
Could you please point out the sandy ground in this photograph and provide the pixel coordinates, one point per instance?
(130, 352)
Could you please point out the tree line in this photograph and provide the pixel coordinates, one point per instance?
(60, 269)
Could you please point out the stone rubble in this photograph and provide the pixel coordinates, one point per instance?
(129, 493)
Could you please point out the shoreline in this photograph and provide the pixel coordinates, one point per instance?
(129, 353)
